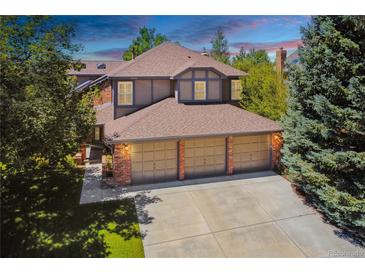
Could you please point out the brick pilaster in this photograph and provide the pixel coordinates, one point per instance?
(181, 153)
(83, 153)
(276, 145)
(229, 155)
(122, 164)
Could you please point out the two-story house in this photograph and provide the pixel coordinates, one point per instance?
(172, 113)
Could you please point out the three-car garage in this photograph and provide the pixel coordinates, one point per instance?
(158, 161)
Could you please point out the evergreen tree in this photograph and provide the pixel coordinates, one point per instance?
(147, 39)
(324, 129)
(264, 91)
(219, 49)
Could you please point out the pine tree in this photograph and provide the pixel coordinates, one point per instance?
(324, 137)
(220, 49)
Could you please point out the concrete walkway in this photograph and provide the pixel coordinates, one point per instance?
(247, 215)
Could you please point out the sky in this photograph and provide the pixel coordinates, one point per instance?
(106, 37)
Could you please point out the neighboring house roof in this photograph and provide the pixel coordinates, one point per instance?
(92, 69)
(168, 119)
(91, 83)
(168, 60)
(104, 113)
(293, 58)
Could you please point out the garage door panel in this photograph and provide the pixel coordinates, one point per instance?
(137, 167)
(137, 157)
(170, 154)
(204, 157)
(170, 145)
(159, 155)
(159, 146)
(159, 165)
(171, 163)
(136, 148)
(251, 152)
(198, 161)
(154, 161)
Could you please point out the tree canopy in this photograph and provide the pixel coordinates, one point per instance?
(41, 113)
(264, 92)
(263, 89)
(43, 121)
(246, 60)
(147, 39)
(324, 129)
(220, 51)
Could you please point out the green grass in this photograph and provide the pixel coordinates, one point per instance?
(41, 217)
(121, 248)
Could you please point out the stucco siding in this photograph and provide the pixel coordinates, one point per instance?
(185, 90)
(143, 92)
(213, 75)
(200, 74)
(213, 90)
(161, 89)
(187, 75)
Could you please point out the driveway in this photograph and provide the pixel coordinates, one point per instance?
(251, 215)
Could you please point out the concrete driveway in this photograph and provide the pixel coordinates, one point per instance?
(251, 215)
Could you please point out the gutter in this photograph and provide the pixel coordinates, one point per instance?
(192, 136)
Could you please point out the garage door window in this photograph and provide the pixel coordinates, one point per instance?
(125, 93)
(200, 90)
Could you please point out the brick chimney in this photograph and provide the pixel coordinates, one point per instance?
(280, 60)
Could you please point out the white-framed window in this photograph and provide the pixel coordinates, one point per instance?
(236, 89)
(200, 90)
(97, 133)
(125, 93)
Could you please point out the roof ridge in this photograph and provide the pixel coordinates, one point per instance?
(139, 57)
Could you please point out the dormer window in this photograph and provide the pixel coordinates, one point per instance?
(236, 89)
(200, 90)
(101, 66)
(125, 93)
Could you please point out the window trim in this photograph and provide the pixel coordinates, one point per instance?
(239, 98)
(205, 90)
(131, 92)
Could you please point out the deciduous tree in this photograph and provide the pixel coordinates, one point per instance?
(147, 39)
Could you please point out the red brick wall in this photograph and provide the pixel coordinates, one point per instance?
(181, 153)
(229, 156)
(122, 164)
(276, 144)
(105, 95)
(83, 152)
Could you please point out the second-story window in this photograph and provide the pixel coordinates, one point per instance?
(125, 93)
(236, 89)
(199, 90)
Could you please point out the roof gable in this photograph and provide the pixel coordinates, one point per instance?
(168, 60)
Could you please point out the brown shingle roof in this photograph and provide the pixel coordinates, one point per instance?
(168, 60)
(168, 120)
(104, 113)
(91, 67)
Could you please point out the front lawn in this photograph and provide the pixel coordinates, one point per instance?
(43, 218)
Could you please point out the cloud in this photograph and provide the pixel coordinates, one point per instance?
(201, 29)
(105, 54)
(268, 46)
(105, 28)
